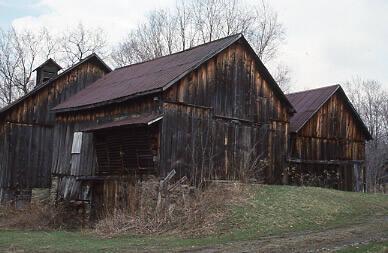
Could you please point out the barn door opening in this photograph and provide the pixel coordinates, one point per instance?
(128, 150)
(127, 147)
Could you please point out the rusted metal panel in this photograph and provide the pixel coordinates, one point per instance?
(147, 76)
(157, 75)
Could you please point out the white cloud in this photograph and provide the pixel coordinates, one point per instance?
(327, 41)
(330, 42)
(115, 17)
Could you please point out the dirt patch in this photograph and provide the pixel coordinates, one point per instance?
(330, 240)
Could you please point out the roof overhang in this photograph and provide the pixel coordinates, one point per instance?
(92, 57)
(357, 117)
(141, 120)
(238, 38)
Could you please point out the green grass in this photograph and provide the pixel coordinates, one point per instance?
(279, 209)
(270, 210)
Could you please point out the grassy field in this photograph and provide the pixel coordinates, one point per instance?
(269, 210)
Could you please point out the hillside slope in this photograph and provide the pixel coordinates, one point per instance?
(265, 217)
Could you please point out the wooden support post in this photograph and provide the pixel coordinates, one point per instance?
(163, 192)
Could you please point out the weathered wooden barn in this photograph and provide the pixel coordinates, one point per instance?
(327, 140)
(27, 126)
(210, 112)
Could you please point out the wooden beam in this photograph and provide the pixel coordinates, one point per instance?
(30, 124)
(240, 120)
(188, 105)
(325, 162)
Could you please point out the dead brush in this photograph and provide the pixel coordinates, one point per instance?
(186, 210)
(35, 216)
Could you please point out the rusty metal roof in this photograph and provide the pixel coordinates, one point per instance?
(92, 57)
(145, 77)
(307, 103)
(144, 119)
(153, 76)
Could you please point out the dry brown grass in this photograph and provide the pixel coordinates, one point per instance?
(186, 211)
(37, 216)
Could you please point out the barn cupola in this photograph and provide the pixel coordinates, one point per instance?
(49, 69)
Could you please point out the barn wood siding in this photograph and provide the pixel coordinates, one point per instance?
(222, 120)
(200, 146)
(331, 134)
(27, 130)
(68, 123)
(233, 105)
(331, 148)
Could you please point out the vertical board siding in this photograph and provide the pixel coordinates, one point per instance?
(240, 103)
(332, 135)
(68, 167)
(220, 121)
(27, 130)
(198, 145)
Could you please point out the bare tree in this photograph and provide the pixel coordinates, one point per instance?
(282, 77)
(79, 42)
(8, 67)
(266, 32)
(27, 46)
(370, 100)
(20, 51)
(186, 31)
(193, 22)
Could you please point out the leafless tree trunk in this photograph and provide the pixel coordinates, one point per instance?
(22, 51)
(79, 42)
(19, 55)
(8, 66)
(370, 100)
(282, 77)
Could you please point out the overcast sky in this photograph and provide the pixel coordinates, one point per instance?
(328, 42)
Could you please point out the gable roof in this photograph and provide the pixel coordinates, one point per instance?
(153, 76)
(92, 57)
(48, 61)
(307, 103)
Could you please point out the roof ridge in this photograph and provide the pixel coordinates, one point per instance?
(46, 61)
(179, 52)
(314, 89)
(46, 83)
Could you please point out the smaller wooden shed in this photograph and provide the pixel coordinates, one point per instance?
(327, 140)
(27, 126)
